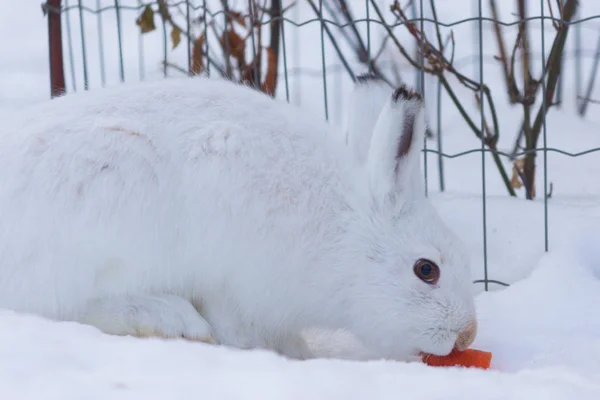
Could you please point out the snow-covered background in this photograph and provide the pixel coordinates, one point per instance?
(544, 330)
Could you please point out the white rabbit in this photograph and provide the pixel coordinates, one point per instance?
(203, 209)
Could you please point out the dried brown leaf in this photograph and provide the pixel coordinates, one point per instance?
(517, 170)
(197, 60)
(235, 45)
(270, 83)
(237, 17)
(175, 36)
(146, 20)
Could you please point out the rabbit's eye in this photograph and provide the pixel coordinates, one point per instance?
(427, 271)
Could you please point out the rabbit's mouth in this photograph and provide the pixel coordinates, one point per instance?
(440, 343)
(443, 341)
(466, 336)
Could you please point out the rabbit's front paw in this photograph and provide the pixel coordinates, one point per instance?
(166, 316)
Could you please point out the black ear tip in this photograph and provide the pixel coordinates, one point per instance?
(366, 78)
(405, 93)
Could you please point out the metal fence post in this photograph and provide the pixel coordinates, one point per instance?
(57, 73)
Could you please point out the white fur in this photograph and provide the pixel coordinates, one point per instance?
(364, 105)
(139, 200)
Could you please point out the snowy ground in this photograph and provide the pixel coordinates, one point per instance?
(544, 330)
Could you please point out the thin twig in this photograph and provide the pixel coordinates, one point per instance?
(333, 42)
(361, 49)
(589, 100)
(488, 133)
(437, 26)
(509, 79)
(396, 41)
(175, 67)
(554, 22)
(358, 45)
(329, 7)
(451, 37)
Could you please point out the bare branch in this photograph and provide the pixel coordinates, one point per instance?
(176, 67)
(509, 78)
(396, 41)
(361, 48)
(589, 100)
(333, 42)
(554, 23)
(553, 68)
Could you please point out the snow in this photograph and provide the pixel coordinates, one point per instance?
(543, 330)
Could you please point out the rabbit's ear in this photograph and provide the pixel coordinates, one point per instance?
(393, 159)
(365, 103)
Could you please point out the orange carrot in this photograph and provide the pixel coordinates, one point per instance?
(468, 358)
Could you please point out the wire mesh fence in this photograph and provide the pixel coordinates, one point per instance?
(310, 53)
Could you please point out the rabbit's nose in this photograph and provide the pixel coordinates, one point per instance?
(466, 336)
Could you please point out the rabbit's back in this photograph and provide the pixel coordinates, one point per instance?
(160, 186)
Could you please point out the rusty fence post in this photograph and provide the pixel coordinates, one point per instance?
(57, 74)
